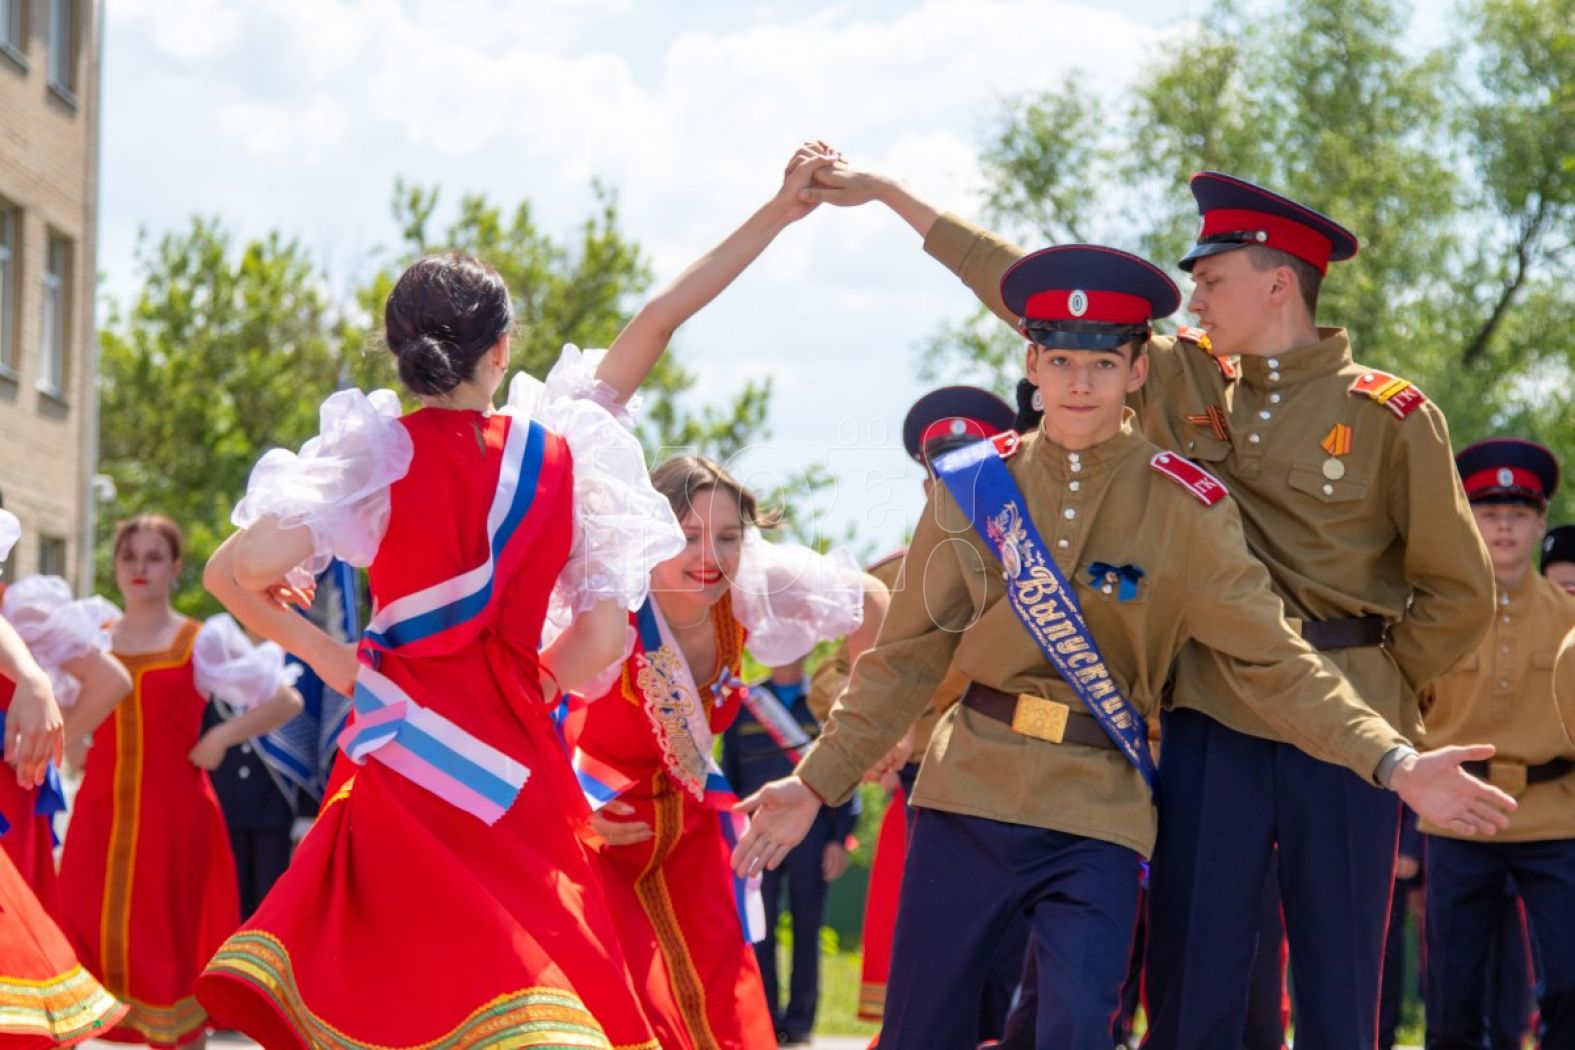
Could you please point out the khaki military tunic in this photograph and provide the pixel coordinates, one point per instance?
(1391, 535)
(831, 677)
(1103, 504)
(1505, 694)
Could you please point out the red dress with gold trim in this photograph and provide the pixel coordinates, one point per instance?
(147, 879)
(445, 897)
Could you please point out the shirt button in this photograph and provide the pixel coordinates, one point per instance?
(1274, 377)
(1274, 362)
(1506, 619)
(1071, 512)
(244, 772)
(1108, 589)
(1503, 648)
(1503, 599)
(246, 748)
(1073, 456)
(1063, 543)
(1075, 485)
(1328, 490)
(1274, 399)
(1503, 683)
(1265, 414)
(1076, 466)
(1253, 439)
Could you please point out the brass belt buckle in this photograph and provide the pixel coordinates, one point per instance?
(1508, 776)
(1040, 718)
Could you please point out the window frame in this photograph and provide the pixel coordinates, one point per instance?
(54, 369)
(62, 50)
(10, 239)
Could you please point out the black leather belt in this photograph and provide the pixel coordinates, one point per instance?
(1508, 774)
(1037, 717)
(1350, 633)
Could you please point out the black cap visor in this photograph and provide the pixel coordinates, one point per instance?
(1216, 245)
(1084, 335)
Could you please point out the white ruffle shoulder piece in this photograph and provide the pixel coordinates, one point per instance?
(337, 485)
(58, 627)
(623, 528)
(10, 532)
(227, 665)
(790, 598)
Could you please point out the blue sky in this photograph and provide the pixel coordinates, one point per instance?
(298, 115)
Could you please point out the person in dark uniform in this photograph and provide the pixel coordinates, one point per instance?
(1558, 556)
(1408, 885)
(1063, 572)
(770, 734)
(1516, 690)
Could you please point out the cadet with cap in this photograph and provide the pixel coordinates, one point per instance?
(1558, 556)
(1344, 479)
(1505, 693)
(937, 423)
(1062, 574)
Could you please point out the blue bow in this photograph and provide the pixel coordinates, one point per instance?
(1099, 574)
(725, 680)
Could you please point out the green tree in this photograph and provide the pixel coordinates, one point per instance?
(1455, 166)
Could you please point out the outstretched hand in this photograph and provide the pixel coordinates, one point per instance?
(1447, 796)
(34, 730)
(783, 812)
(808, 160)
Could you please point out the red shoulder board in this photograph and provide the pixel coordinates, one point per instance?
(1399, 396)
(1208, 489)
(1200, 339)
(1006, 443)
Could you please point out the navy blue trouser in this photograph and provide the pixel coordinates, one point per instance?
(1000, 987)
(1392, 997)
(800, 874)
(1226, 800)
(1510, 998)
(1465, 900)
(969, 880)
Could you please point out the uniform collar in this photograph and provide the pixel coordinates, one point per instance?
(1080, 465)
(1517, 596)
(1327, 356)
(789, 693)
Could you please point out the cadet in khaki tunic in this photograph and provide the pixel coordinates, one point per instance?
(1345, 484)
(1028, 806)
(1506, 693)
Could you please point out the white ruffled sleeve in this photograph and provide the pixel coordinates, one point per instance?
(10, 532)
(623, 527)
(58, 628)
(337, 485)
(790, 598)
(227, 665)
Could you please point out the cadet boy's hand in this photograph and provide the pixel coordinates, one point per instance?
(810, 158)
(784, 810)
(1445, 795)
(833, 861)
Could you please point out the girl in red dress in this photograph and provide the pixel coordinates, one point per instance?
(46, 998)
(147, 879)
(69, 639)
(685, 923)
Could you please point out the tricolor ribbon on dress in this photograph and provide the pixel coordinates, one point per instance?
(1040, 595)
(428, 749)
(599, 782)
(785, 731)
(683, 730)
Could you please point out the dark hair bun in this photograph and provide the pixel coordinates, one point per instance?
(444, 314)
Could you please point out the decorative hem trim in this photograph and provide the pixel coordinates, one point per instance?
(68, 1008)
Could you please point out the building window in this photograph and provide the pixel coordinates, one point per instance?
(55, 327)
(8, 243)
(52, 555)
(62, 45)
(11, 26)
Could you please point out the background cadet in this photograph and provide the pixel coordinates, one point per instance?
(1036, 790)
(1558, 556)
(937, 423)
(765, 742)
(1343, 478)
(1505, 692)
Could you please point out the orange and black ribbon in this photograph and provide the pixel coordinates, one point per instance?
(1214, 420)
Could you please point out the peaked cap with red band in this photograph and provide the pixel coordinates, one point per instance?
(1087, 297)
(1237, 214)
(1508, 470)
(951, 417)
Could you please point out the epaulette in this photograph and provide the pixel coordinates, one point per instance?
(1200, 338)
(1208, 489)
(1399, 396)
(1006, 443)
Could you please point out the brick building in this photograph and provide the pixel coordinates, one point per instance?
(49, 143)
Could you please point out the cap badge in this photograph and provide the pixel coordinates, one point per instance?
(1077, 303)
(1261, 236)
(1506, 477)
(959, 427)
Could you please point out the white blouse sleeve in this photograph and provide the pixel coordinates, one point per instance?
(58, 628)
(337, 485)
(10, 532)
(790, 598)
(623, 527)
(227, 665)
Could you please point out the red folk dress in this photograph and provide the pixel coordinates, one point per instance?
(446, 896)
(678, 907)
(147, 878)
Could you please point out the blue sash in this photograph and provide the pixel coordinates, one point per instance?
(1041, 596)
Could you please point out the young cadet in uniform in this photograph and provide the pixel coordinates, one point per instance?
(939, 422)
(1344, 480)
(1558, 556)
(1506, 693)
(1063, 575)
